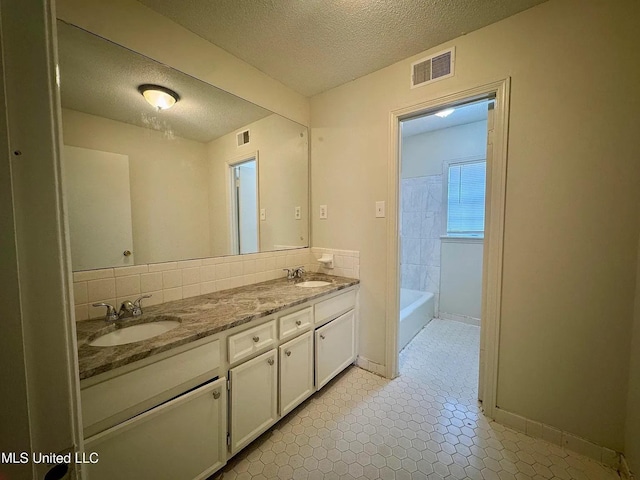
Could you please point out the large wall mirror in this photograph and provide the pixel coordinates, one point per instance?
(212, 175)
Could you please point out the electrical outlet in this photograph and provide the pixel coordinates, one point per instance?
(263, 214)
(323, 212)
(380, 210)
(298, 213)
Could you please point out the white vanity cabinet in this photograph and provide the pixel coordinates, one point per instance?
(296, 372)
(253, 398)
(183, 439)
(335, 347)
(170, 417)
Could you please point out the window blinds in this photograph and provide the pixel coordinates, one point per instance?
(465, 198)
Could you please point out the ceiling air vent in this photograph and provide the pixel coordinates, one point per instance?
(243, 138)
(433, 68)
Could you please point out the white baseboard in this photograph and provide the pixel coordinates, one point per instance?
(624, 469)
(370, 366)
(460, 318)
(556, 436)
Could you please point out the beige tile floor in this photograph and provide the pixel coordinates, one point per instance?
(425, 424)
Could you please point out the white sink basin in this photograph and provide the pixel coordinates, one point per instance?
(313, 283)
(135, 333)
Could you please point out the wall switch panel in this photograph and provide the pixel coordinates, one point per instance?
(380, 209)
(263, 214)
(298, 213)
(323, 211)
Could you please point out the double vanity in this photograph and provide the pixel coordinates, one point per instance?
(214, 372)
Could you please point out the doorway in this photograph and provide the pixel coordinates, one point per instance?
(441, 215)
(245, 233)
(496, 168)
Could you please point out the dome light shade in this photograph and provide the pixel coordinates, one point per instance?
(160, 98)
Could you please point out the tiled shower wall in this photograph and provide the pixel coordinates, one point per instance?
(420, 230)
(176, 280)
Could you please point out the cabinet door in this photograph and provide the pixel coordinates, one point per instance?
(296, 372)
(253, 398)
(335, 347)
(184, 439)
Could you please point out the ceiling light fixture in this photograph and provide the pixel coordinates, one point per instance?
(445, 113)
(160, 98)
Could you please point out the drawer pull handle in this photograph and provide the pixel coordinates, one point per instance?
(270, 361)
(322, 336)
(256, 339)
(298, 322)
(288, 353)
(216, 394)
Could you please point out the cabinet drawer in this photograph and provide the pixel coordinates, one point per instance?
(335, 306)
(183, 439)
(335, 348)
(110, 402)
(294, 323)
(244, 344)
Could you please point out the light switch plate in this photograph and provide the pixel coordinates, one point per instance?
(380, 209)
(263, 214)
(298, 213)
(323, 211)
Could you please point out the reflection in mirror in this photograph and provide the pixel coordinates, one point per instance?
(210, 175)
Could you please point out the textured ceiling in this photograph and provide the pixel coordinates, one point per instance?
(101, 78)
(314, 45)
(473, 112)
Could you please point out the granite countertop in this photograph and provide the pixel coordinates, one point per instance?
(199, 317)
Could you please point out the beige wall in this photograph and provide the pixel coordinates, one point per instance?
(283, 157)
(169, 185)
(572, 201)
(139, 28)
(632, 427)
(423, 154)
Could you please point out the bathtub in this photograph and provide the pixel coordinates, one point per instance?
(416, 310)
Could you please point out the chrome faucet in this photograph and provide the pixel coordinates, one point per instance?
(127, 309)
(293, 273)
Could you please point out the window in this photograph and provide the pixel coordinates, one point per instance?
(465, 194)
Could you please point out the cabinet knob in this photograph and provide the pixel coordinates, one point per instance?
(256, 339)
(288, 353)
(322, 336)
(216, 394)
(270, 361)
(298, 322)
(127, 253)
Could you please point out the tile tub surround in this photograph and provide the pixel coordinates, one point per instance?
(200, 317)
(420, 230)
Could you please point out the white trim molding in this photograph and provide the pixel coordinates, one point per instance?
(456, 317)
(494, 227)
(624, 469)
(566, 440)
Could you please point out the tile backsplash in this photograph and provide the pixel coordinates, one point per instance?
(177, 280)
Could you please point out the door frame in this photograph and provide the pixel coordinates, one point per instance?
(494, 228)
(234, 241)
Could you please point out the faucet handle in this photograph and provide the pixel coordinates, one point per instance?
(290, 273)
(112, 315)
(137, 306)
